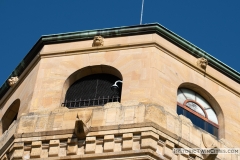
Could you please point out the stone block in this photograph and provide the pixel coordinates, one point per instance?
(72, 149)
(172, 124)
(160, 145)
(41, 123)
(136, 142)
(118, 144)
(26, 155)
(149, 140)
(90, 145)
(99, 145)
(16, 151)
(18, 145)
(27, 124)
(69, 119)
(129, 114)
(196, 137)
(127, 143)
(17, 154)
(97, 118)
(36, 152)
(58, 121)
(108, 143)
(185, 131)
(62, 152)
(169, 144)
(50, 122)
(36, 143)
(117, 147)
(157, 115)
(53, 151)
(44, 153)
(150, 134)
(139, 113)
(167, 152)
(168, 149)
(53, 148)
(81, 145)
(111, 115)
(36, 149)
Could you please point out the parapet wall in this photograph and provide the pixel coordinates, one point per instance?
(115, 130)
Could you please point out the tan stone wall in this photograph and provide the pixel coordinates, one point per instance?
(152, 70)
(140, 129)
(23, 90)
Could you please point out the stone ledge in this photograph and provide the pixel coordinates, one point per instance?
(123, 155)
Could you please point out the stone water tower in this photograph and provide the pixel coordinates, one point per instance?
(132, 92)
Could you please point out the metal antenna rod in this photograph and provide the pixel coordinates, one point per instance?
(141, 12)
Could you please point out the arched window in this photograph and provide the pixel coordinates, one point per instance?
(10, 116)
(197, 109)
(93, 90)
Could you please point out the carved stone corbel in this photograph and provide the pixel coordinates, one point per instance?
(209, 144)
(12, 81)
(202, 63)
(98, 41)
(82, 126)
(81, 129)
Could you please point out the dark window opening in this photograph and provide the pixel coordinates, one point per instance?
(199, 122)
(193, 106)
(11, 115)
(93, 90)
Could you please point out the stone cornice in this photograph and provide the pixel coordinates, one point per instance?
(118, 32)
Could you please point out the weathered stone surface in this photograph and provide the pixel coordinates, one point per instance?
(127, 141)
(81, 130)
(156, 114)
(108, 143)
(53, 148)
(90, 145)
(202, 62)
(208, 141)
(98, 41)
(149, 140)
(12, 81)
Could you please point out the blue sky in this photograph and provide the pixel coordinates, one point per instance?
(212, 25)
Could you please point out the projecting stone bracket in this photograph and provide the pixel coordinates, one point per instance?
(210, 144)
(210, 156)
(98, 41)
(81, 129)
(12, 81)
(202, 63)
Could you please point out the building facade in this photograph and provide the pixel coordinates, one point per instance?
(133, 92)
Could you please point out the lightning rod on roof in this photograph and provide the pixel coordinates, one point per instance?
(141, 12)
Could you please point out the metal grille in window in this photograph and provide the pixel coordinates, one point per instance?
(92, 90)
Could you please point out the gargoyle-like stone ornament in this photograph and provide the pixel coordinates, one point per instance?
(210, 144)
(81, 129)
(202, 63)
(98, 41)
(12, 81)
(81, 124)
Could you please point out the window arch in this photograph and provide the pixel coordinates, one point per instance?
(92, 86)
(198, 110)
(10, 115)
